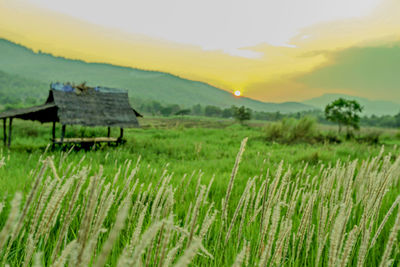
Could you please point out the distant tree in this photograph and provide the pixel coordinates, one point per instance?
(155, 107)
(166, 111)
(242, 114)
(212, 111)
(344, 113)
(175, 108)
(183, 112)
(397, 119)
(228, 112)
(169, 110)
(278, 116)
(197, 110)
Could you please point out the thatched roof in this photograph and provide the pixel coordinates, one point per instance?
(43, 113)
(82, 105)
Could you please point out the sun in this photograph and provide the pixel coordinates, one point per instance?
(237, 93)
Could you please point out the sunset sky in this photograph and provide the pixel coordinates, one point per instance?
(287, 50)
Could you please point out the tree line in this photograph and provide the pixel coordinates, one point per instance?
(155, 108)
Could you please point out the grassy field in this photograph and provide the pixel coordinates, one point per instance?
(201, 193)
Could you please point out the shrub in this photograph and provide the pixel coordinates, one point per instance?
(331, 137)
(290, 130)
(370, 138)
(397, 135)
(304, 129)
(274, 131)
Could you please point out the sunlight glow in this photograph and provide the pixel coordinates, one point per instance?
(262, 47)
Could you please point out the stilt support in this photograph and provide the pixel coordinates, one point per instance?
(53, 131)
(9, 132)
(5, 131)
(121, 134)
(62, 133)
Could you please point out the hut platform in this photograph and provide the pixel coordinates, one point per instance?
(86, 140)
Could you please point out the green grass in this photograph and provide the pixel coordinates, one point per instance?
(207, 146)
(182, 144)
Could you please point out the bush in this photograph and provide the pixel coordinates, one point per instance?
(304, 129)
(331, 137)
(274, 131)
(397, 135)
(372, 138)
(290, 130)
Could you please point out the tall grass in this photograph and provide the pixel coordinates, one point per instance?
(345, 214)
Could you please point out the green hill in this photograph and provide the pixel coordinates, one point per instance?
(16, 90)
(22, 66)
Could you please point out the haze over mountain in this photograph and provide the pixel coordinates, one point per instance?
(20, 66)
(272, 51)
(376, 107)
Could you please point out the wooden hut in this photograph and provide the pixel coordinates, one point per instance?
(78, 105)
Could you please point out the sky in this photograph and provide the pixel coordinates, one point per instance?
(287, 50)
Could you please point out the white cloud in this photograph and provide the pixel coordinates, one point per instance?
(243, 53)
(226, 25)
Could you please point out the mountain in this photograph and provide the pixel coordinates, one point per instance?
(20, 63)
(376, 107)
(16, 89)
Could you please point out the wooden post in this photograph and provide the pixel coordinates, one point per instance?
(62, 133)
(5, 131)
(9, 132)
(108, 131)
(53, 132)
